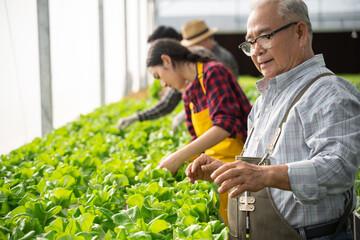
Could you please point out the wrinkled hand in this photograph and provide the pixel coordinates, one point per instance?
(178, 120)
(241, 176)
(125, 122)
(171, 163)
(202, 168)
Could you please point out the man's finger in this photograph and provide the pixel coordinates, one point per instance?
(188, 169)
(237, 191)
(197, 162)
(229, 184)
(222, 169)
(227, 174)
(210, 167)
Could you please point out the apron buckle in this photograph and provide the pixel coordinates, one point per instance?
(250, 199)
(246, 207)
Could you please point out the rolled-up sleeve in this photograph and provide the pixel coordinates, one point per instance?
(223, 104)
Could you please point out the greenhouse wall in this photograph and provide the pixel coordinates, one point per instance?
(20, 105)
(75, 61)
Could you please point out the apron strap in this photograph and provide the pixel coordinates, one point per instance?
(276, 135)
(200, 73)
(250, 134)
(345, 215)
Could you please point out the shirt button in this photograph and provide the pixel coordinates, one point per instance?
(257, 138)
(279, 90)
(266, 109)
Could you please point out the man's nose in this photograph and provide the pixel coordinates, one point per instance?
(257, 49)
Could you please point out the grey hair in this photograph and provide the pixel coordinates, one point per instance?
(289, 10)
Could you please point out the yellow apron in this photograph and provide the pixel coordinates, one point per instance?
(225, 151)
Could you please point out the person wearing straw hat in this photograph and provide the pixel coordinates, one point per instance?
(196, 32)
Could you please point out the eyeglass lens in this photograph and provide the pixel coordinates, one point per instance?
(249, 48)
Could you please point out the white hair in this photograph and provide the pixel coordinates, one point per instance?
(289, 10)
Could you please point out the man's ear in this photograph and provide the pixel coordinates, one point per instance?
(166, 60)
(302, 32)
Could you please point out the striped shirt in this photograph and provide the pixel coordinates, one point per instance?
(165, 106)
(320, 142)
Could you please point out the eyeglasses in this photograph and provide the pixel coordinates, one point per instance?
(264, 40)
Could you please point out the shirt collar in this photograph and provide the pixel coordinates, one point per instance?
(284, 80)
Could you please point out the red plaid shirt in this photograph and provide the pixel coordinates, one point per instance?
(227, 103)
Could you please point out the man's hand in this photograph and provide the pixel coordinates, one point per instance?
(178, 120)
(125, 122)
(243, 176)
(202, 167)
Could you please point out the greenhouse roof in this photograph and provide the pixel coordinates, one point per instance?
(231, 15)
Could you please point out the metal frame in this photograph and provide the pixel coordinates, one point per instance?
(102, 52)
(45, 66)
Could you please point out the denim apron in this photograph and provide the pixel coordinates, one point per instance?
(225, 151)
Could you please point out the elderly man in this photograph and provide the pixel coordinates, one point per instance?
(294, 178)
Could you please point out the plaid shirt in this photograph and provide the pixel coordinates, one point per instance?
(320, 141)
(228, 105)
(165, 106)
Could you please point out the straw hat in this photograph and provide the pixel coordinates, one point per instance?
(195, 31)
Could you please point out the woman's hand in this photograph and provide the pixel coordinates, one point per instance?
(171, 162)
(209, 139)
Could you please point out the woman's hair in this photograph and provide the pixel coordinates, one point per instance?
(289, 10)
(164, 32)
(175, 51)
